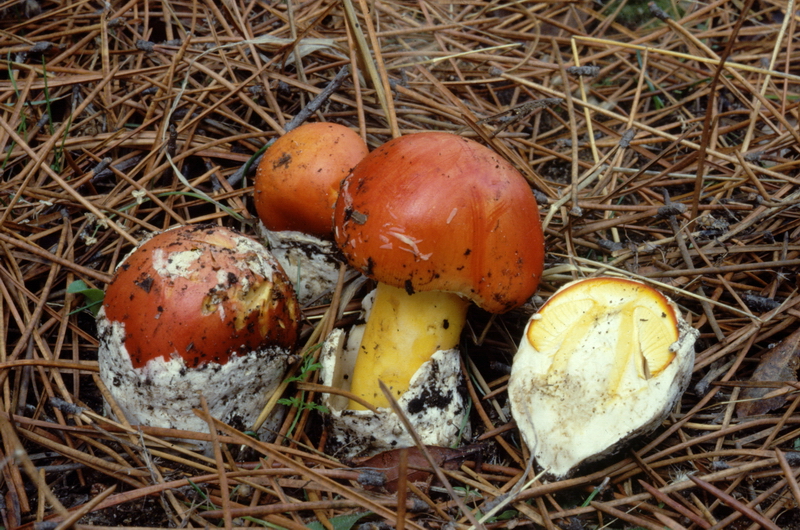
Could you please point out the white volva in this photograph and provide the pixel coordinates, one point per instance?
(309, 262)
(433, 405)
(163, 393)
(604, 360)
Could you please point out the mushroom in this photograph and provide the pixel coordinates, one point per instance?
(296, 186)
(605, 359)
(437, 220)
(196, 310)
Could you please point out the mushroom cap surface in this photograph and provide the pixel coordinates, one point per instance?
(202, 293)
(297, 181)
(438, 212)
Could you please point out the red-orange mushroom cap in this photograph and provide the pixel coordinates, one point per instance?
(298, 178)
(439, 212)
(203, 293)
(296, 186)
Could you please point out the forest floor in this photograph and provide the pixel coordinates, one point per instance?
(663, 145)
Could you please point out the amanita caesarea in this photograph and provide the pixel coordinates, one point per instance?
(438, 221)
(196, 310)
(296, 186)
(603, 360)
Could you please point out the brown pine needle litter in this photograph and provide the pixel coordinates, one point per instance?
(664, 146)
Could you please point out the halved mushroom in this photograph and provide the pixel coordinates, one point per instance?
(603, 360)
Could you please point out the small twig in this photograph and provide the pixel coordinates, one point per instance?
(575, 210)
(427, 454)
(313, 106)
(519, 113)
(624, 516)
(675, 505)
(313, 387)
(789, 473)
(733, 503)
(583, 71)
(221, 472)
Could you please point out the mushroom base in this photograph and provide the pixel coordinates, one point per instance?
(433, 404)
(163, 393)
(309, 262)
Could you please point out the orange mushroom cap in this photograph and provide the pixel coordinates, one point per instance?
(203, 293)
(438, 212)
(298, 179)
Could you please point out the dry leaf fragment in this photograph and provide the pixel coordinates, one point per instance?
(778, 364)
(304, 46)
(418, 467)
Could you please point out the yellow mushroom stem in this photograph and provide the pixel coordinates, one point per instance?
(402, 332)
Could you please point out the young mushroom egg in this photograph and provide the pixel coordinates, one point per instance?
(296, 186)
(196, 310)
